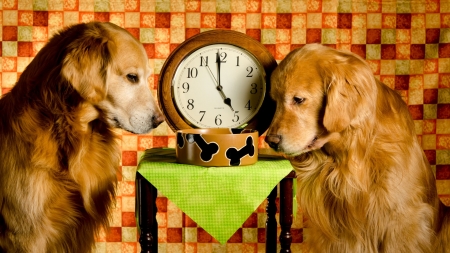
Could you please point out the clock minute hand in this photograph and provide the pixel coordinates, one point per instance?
(226, 100)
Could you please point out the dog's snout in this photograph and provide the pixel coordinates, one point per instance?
(273, 140)
(157, 119)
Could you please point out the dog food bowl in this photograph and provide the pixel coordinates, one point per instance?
(217, 147)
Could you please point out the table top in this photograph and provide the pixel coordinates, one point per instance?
(218, 199)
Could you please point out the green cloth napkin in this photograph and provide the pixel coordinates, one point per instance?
(219, 199)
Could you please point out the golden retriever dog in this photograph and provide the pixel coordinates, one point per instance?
(59, 155)
(363, 179)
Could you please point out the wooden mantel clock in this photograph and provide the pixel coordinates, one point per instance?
(217, 79)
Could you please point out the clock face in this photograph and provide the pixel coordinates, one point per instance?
(219, 86)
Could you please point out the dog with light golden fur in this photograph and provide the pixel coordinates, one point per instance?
(363, 179)
(59, 155)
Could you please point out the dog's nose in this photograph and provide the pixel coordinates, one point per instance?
(273, 140)
(157, 120)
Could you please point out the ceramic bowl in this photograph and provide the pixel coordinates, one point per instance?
(217, 146)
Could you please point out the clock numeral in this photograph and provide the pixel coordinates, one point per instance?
(222, 57)
(248, 106)
(254, 89)
(192, 72)
(205, 60)
(203, 114)
(250, 71)
(185, 87)
(237, 61)
(235, 116)
(218, 120)
(190, 105)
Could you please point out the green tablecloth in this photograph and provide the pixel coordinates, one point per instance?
(219, 199)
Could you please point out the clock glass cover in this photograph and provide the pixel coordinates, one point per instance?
(219, 86)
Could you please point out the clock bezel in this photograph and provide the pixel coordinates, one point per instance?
(174, 119)
(262, 75)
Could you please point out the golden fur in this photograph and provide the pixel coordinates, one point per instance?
(59, 155)
(363, 179)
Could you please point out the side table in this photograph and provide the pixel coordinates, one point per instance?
(146, 211)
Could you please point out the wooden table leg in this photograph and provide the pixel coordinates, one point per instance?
(146, 210)
(286, 212)
(271, 222)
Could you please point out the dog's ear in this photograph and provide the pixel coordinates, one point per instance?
(87, 61)
(350, 89)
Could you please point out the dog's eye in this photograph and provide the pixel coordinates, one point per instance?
(298, 100)
(132, 78)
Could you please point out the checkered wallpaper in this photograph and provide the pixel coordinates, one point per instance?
(407, 44)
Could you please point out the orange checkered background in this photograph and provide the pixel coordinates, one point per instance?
(406, 42)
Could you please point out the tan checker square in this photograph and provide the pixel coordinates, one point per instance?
(10, 17)
(344, 36)
(253, 20)
(243, 6)
(282, 50)
(417, 21)
(223, 6)
(389, 7)
(402, 67)
(431, 51)
(283, 36)
(299, 20)
(373, 51)
(416, 67)
(359, 21)
(374, 20)
(359, 6)
(432, 20)
(415, 97)
(388, 36)
(177, 6)
(193, 19)
(128, 204)
(268, 36)
(22, 63)
(238, 21)
(314, 20)
(132, 19)
(418, 125)
(344, 6)
(298, 36)
(416, 82)
(430, 81)
(55, 5)
(443, 157)
(208, 6)
(329, 36)
(418, 36)
(177, 35)
(330, 6)
(55, 18)
(444, 65)
(358, 36)
(9, 49)
(25, 4)
(70, 18)
(443, 126)
(269, 6)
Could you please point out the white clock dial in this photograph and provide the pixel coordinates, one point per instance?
(219, 86)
